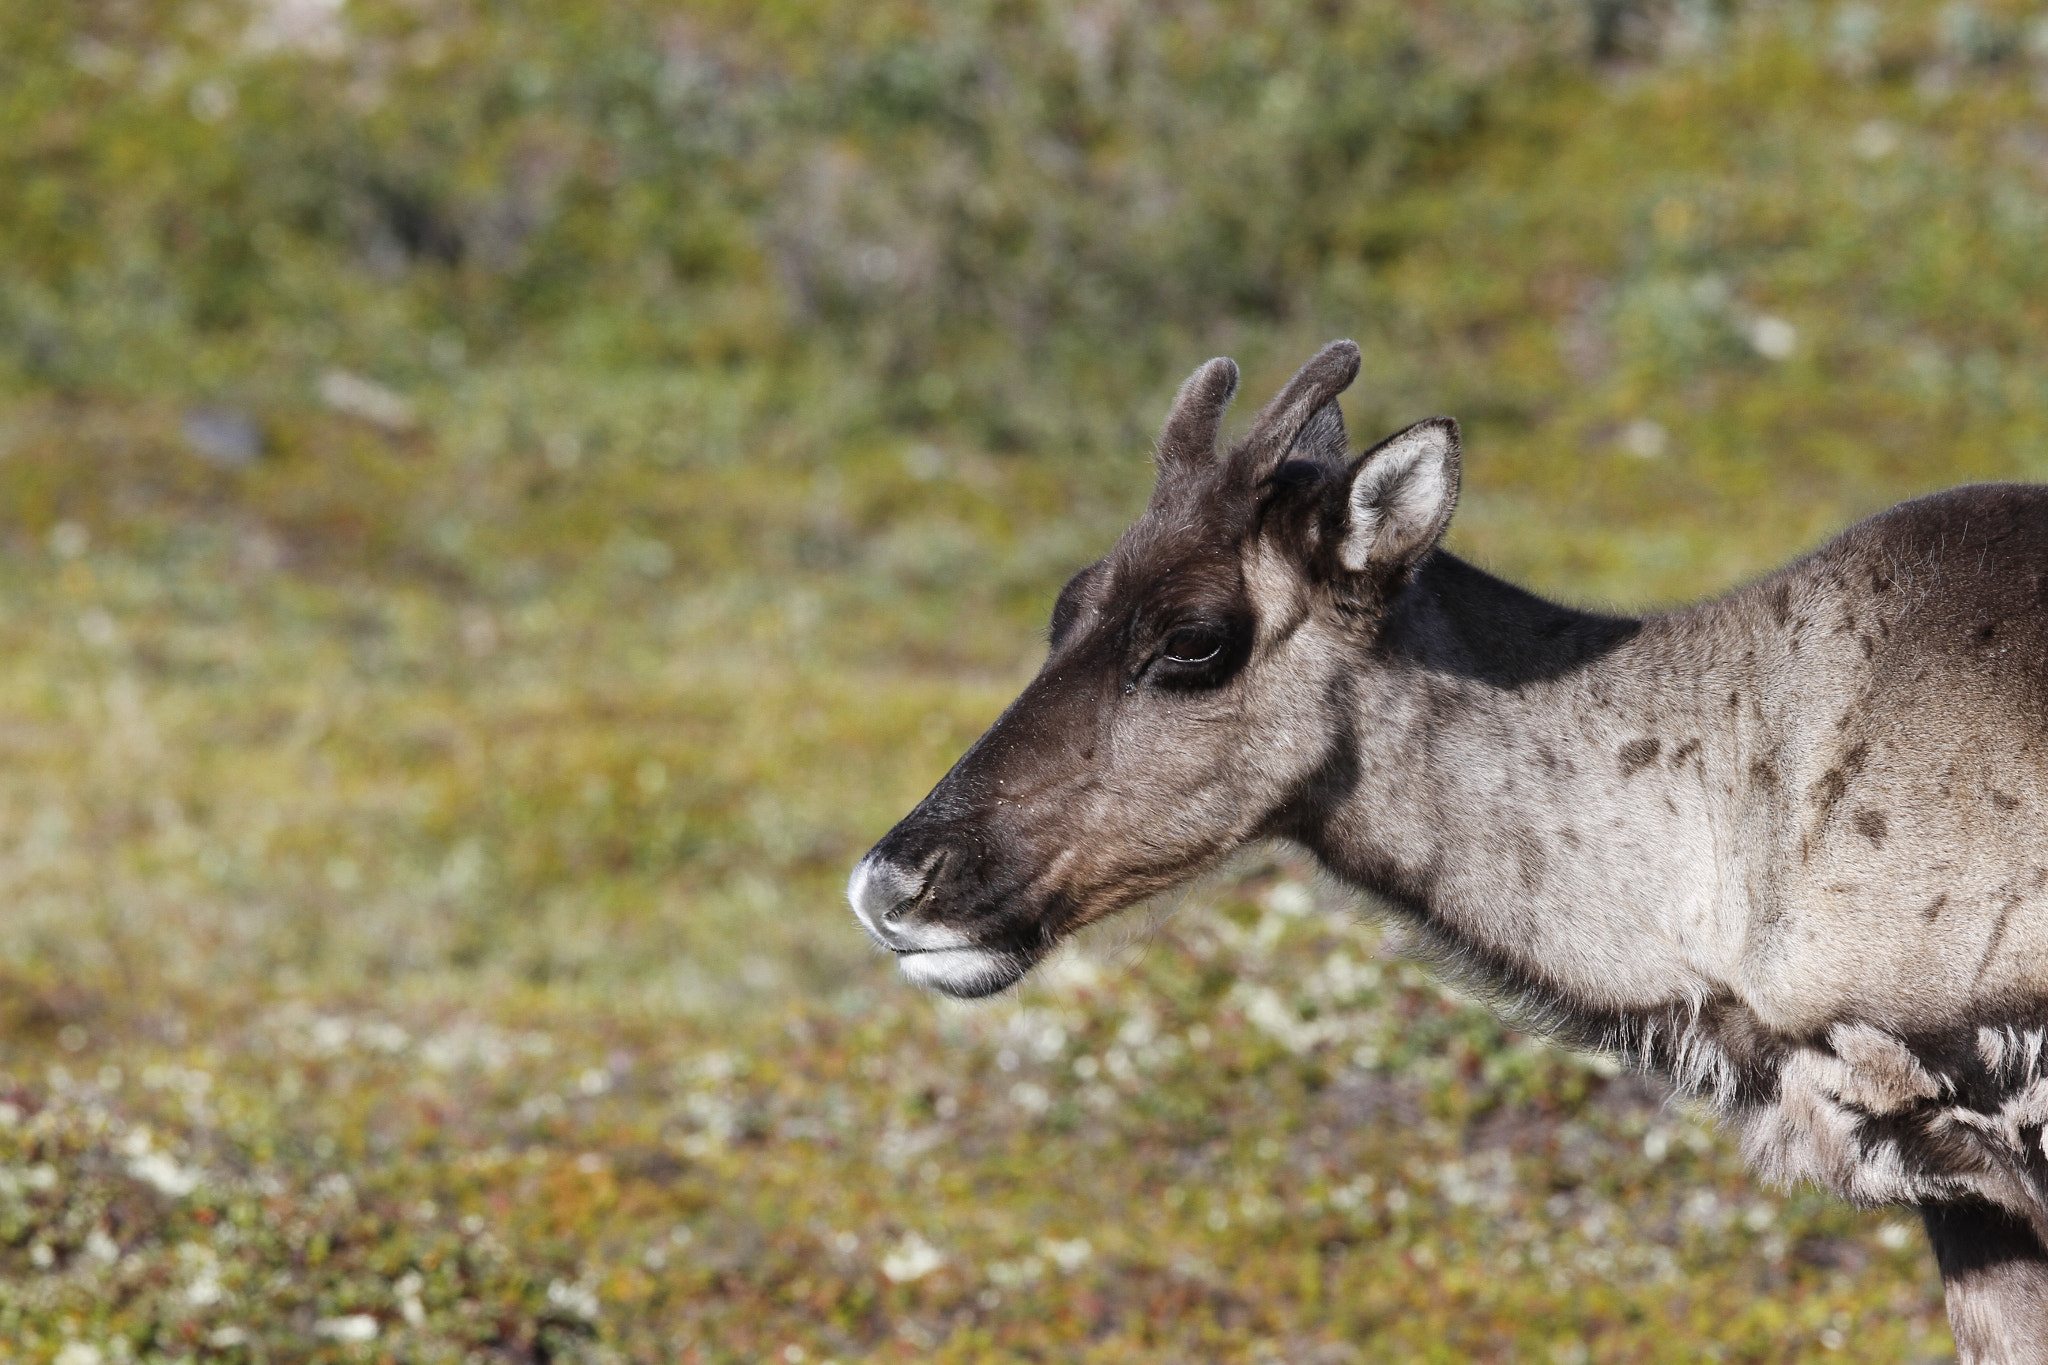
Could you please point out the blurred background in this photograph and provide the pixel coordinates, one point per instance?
(501, 503)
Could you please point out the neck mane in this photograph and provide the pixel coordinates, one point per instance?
(1461, 621)
(1526, 782)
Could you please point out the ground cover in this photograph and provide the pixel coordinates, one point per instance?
(503, 504)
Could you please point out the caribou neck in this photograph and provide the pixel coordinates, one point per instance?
(1540, 789)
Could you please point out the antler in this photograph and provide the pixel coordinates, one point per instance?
(1189, 439)
(1314, 386)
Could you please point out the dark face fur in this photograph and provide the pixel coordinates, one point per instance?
(1181, 708)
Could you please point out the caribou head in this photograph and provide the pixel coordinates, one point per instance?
(1185, 701)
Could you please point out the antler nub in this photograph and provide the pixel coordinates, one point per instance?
(1189, 438)
(1328, 373)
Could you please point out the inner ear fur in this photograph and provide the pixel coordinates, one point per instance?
(1398, 498)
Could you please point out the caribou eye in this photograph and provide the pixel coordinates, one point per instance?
(1193, 645)
(1201, 654)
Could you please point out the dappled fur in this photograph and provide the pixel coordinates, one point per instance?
(1787, 848)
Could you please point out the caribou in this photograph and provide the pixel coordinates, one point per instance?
(1787, 848)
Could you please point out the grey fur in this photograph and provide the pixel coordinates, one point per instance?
(1996, 1276)
(1786, 848)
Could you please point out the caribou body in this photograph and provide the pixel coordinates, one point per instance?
(1788, 848)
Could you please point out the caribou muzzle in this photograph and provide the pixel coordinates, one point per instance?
(900, 902)
(969, 889)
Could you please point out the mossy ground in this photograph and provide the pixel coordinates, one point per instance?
(503, 503)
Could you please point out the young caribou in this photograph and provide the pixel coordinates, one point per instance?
(1788, 848)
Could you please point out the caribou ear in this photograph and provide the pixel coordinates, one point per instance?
(1400, 499)
(1322, 439)
(1189, 438)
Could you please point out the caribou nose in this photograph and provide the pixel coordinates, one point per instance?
(877, 888)
(880, 890)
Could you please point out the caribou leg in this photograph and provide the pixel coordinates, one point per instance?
(1994, 1272)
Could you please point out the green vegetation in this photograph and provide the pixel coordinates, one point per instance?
(504, 502)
